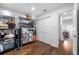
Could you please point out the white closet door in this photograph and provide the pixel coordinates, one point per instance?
(47, 30)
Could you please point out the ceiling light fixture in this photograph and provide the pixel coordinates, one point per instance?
(33, 8)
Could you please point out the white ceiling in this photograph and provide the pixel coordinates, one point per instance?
(25, 8)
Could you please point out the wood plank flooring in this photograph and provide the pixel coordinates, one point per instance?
(36, 48)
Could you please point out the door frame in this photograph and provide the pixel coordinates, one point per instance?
(74, 10)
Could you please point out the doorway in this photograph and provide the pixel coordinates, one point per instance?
(66, 25)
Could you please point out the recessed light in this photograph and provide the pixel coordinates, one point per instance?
(65, 13)
(33, 8)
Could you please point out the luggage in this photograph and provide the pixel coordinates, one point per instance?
(8, 44)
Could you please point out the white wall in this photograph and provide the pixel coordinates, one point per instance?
(48, 28)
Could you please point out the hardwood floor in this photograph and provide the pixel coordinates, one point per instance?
(37, 48)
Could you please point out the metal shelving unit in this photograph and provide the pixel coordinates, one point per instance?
(27, 30)
(6, 43)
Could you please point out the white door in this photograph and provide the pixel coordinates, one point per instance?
(47, 30)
